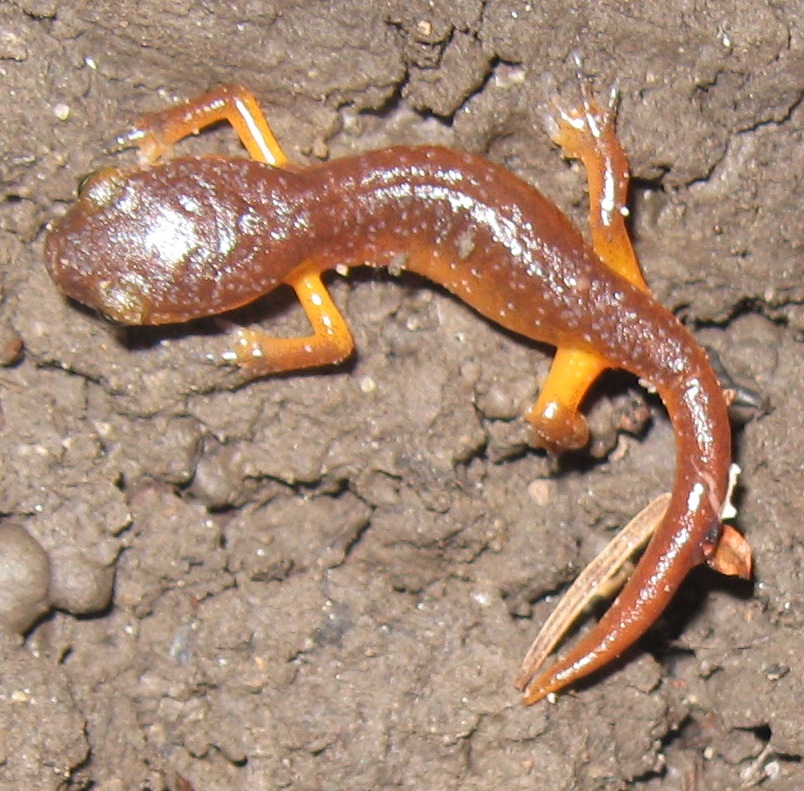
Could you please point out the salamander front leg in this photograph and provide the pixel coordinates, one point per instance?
(258, 353)
(155, 133)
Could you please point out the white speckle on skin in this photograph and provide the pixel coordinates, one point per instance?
(534, 270)
(607, 202)
(249, 223)
(551, 410)
(695, 496)
(190, 205)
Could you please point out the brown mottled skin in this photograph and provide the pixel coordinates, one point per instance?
(238, 228)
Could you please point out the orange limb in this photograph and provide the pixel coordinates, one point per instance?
(587, 133)
(155, 133)
(259, 353)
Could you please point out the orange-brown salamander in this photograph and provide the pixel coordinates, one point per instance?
(197, 236)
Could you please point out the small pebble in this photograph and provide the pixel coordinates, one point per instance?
(80, 585)
(24, 579)
(11, 346)
(61, 111)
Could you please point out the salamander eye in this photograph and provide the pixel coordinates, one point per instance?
(101, 187)
(85, 181)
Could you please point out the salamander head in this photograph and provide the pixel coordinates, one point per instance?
(152, 246)
(84, 251)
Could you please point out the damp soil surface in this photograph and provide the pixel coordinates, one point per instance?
(328, 581)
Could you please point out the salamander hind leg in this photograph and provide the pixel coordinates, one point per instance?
(258, 353)
(557, 423)
(155, 133)
(587, 132)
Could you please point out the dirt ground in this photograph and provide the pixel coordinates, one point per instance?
(328, 581)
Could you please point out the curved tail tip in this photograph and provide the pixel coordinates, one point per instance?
(540, 689)
(553, 680)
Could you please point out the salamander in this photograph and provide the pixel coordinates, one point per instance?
(189, 237)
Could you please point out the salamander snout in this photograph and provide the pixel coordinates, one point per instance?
(80, 254)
